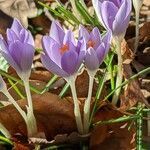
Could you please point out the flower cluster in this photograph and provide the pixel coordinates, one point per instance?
(64, 55)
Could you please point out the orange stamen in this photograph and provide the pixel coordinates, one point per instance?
(90, 43)
(64, 48)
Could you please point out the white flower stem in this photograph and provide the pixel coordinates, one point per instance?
(71, 81)
(120, 71)
(88, 102)
(32, 126)
(137, 15)
(28, 93)
(137, 6)
(11, 99)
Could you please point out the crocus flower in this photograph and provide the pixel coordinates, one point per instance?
(97, 47)
(18, 50)
(62, 55)
(18, 33)
(114, 14)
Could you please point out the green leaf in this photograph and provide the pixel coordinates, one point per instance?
(84, 13)
(121, 119)
(5, 140)
(5, 74)
(3, 63)
(68, 14)
(13, 85)
(51, 81)
(64, 90)
(55, 12)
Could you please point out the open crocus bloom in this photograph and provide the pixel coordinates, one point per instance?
(97, 47)
(18, 50)
(62, 55)
(114, 14)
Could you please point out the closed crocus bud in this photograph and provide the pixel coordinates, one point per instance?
(114, 14)
(62, 55)
(18, 50)
(18, 33)
(97, 47)
(19, 55)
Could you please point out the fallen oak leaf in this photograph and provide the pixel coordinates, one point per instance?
(111, 136)
(133, 93)
(127, 53)
(145, 31)
(53, 116)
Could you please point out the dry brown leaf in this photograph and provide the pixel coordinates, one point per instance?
(133, 93)
(127, 53)
(54, 116)
(145, 31)
(111, 136)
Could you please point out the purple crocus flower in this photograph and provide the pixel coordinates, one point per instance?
(62, 55)
(114, 14)
(18, 49)
(97, 47)
(18, 33)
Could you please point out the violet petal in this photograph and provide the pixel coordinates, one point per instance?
(69, 62)
(56, 32)
(91, 59)
(52, 66)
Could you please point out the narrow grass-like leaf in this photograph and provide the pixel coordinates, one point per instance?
(5, 74)
(147, 70)
(3, 63)
(13, 85)
(68, 14)
(51, 81)
(64, 90)
(6, 140)
(139, 124)
(121, 119)
(56, 13)
(86, 16)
